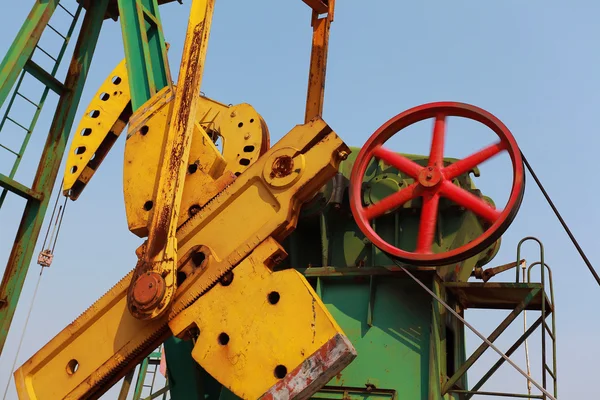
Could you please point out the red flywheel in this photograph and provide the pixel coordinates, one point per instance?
(435, 181)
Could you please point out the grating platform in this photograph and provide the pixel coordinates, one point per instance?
(499, 296)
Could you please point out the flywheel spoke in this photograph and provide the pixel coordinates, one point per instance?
(466, 164)
(391, 202)
(402, 163)
(428, 223)
(436, 155)
(469, 201)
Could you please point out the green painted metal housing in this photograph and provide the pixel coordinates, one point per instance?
(406, 344)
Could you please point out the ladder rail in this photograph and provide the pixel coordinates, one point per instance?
(40, 104)
(546, 329)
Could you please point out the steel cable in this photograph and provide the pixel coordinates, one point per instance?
(12, 369)
(490, 344)
(562, 221)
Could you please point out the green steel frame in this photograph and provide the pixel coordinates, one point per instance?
(38, 196)
(145, 49)
(50, 83)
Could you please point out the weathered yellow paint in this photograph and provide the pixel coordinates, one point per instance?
(102, 123)
(144, 150)
(160, 253)
(209, 171)
(227, 230)
(260, 321)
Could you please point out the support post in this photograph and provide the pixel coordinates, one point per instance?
(33, 215)
(318, 61)
(145, 49)
(494, 335)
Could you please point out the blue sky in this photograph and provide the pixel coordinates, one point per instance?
(532, 64)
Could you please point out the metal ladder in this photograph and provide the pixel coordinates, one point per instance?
(546, 330)
(146, 372)
(48, 79)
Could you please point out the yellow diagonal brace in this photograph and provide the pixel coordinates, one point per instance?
(160, 256)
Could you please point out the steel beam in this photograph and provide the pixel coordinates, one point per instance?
(494, 335)
(318, 61)
(509, 353)
(45, 178)
(319, 6)
(145, 49)
(18, 189)
(24, 44)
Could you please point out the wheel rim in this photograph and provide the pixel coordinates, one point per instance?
(435, 181)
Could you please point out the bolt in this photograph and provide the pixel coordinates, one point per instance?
(247, 136)
(232, 114)
(429, 176)
(150, 285)
(343, 154)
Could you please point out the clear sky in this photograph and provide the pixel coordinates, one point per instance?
(533, 64)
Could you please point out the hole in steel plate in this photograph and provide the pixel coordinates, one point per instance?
(280, 371)
(198, 258)
(148, 205)
(274, 297)
(180, 277)
(72, 366)
(223, 339)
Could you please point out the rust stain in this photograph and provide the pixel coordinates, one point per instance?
(282, 166)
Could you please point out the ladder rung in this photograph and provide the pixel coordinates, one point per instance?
(16, 123)
(10, 150)
(19, 189)
(549, 371)
(43, 76)
(549, 331)
(45, 52)
(57, 32)
(34, 104)
(67, 11)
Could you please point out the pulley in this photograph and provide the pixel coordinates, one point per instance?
(435, 180)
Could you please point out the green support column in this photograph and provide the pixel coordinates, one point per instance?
(33, 216)
(24, 44)
(187, 380)
(145, 49)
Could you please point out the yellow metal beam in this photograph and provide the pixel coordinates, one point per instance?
(262, 202)
(256, 342)
(99, 128)
(154, 282)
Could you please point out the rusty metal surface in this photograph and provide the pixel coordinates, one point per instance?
(318, 56)
(500, 296)
(31, 222)
(314, 372)
(112, 11)
(120, 340)
(319, 6)
(160, 252)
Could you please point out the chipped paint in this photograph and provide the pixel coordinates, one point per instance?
(315, 371)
